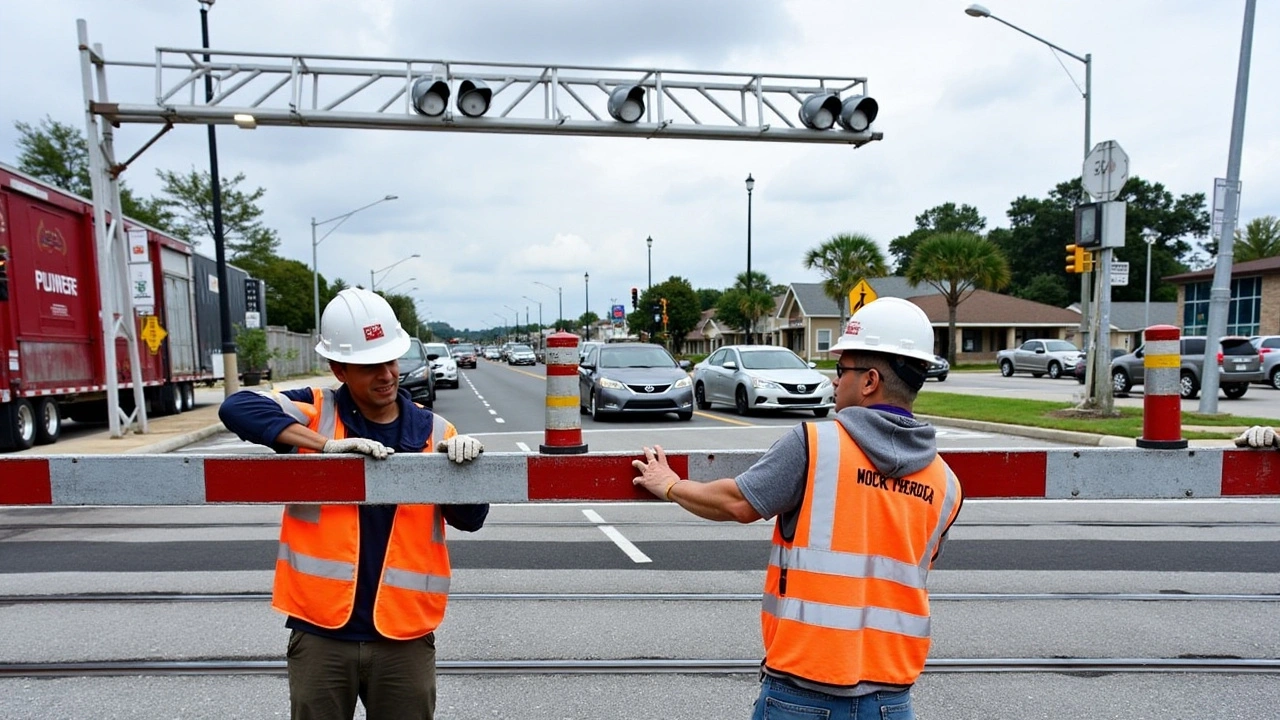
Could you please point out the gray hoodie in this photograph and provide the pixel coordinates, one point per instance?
(896, 445)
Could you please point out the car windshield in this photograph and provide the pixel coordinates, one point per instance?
(634, 357)
(521, 349)
(441, 350)
(1060, 346)
(414, 352)
(772, 360)
(464, 348)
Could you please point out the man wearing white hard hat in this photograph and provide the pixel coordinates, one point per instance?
(364, 586)
(863, 504)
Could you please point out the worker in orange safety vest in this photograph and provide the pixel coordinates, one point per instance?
(364, 586)
(863, 504)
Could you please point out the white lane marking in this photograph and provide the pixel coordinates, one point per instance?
(499, 420)
(618, 539)
(492, 411)
(523, 447)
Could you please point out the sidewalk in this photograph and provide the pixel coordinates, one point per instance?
(166, 434)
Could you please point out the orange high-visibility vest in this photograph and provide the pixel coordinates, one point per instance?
(315, 576)
(845, 600)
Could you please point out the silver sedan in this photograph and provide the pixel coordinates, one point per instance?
(761, 377)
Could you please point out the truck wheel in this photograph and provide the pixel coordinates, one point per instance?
(17, 425)
(171, 399)
(48, 422)
(1006, 368)
(188, 396)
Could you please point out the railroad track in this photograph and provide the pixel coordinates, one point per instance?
(171, 668)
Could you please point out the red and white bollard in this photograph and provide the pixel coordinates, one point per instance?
(1161, 397)
(564, 424)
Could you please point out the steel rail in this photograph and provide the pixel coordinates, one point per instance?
(224, 667)
(141, 598)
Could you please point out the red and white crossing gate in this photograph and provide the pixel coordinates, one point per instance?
(601, 477)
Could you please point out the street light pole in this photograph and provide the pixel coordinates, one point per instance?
(649, 242)
(1150, 236)
(586, 287)
(315, 243)
(515, 334)
(539, 303)
(751, 185)
(560, 300)
(1091, 376)
(387, 269)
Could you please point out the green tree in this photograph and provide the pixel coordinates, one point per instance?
(406, 313)
(1046, 288)
(938, 219)
(588, 319)
(708, 297)
(59, 154)
(957, 264)
(843, 260)
(739, 309)
(683, 311)
(1260, 239)
(289, 292)
(189, 197)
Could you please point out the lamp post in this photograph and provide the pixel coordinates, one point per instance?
(387, 269)
(500, 317)
(560, 300)
(979, 11)
(751, 185)
(586, 287)
(315, 243)
(515, 334)
(649, 241)
(403, 282)
(539, 303)
(1150, 236)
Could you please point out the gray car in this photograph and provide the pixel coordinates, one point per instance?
(1039, 357)
(633, 378)
(1269, 347)
(760, 377)
(1239, 364)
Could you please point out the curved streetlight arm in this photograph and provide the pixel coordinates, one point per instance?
(343, 218)
(393, 287)
(1033, 36)
(388, 269)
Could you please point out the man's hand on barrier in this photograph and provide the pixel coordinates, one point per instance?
(461, 448)
(1258, 436)
(363, 446)
(656, 475)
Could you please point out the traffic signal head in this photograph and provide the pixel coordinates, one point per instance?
(1079, 259)
(635, 298)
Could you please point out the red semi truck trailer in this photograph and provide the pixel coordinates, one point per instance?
(52, 364)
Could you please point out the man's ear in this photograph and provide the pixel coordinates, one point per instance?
(339, 370)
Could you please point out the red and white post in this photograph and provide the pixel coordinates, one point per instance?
(1161, 399)
(564, 424)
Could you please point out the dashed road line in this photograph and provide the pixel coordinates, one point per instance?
(618, 538)
(523, 447)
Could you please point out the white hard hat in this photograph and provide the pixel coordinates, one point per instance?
(359, 327)
(889, 325)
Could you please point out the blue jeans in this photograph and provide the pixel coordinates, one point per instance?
(780, 700)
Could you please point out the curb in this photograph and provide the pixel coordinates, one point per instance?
(1066, 436)
(178, 441)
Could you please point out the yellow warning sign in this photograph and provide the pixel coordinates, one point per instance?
(152, 333)
(860, 295)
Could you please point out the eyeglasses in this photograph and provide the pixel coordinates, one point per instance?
(842, 369)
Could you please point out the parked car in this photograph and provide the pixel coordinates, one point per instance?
(1269, 347)
(938, 369)
(1039, 357)
(416, 375)
(634, 378)
(521, 355)
(464, 354)
(1243, 365)
(442, 364)
(1080, 364)
(760, 377)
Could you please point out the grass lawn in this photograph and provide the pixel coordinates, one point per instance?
(1045, 414)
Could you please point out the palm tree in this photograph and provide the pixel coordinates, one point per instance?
(843, 260)
(957, 264)
(1260, 239)
(738, 309)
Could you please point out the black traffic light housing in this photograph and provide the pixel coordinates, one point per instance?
(635, 298)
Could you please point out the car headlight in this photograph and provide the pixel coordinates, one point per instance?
(767, 384)
(611, 384)
(826, 383)
(417, 373)
(683, 382)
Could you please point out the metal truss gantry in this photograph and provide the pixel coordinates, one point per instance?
(338, 91)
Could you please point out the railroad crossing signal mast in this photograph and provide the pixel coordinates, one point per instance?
(253, 89)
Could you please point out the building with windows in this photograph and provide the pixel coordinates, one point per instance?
(1255, 299)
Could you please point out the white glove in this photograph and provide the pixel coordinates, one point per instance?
(461, 448)
(363, 446)
(1258, 436)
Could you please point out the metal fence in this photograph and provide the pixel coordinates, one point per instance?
(292, 353)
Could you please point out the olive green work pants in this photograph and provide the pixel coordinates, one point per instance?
(393, 679)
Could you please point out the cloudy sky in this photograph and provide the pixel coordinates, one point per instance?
(971, 111)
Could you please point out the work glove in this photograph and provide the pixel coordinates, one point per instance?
(1258, 436)
(363, 446)
(461, 448)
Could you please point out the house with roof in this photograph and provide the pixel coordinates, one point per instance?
(1130, 319)
(1255, 299)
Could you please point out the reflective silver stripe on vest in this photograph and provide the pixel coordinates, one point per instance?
(822, 508)
(853, 565)
(306, 513)
(948, 503)
(308, 565)
(846, 618)
(287, 405)
(328, 413)
(420, 582)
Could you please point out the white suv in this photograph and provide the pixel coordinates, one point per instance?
(442, 364)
